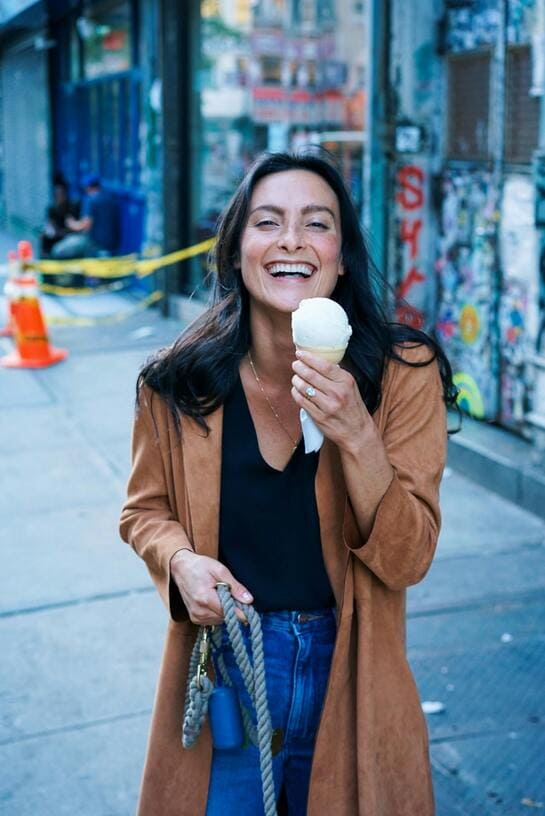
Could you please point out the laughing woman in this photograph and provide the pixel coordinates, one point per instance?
(324, 545)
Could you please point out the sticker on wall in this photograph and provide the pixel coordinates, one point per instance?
(469, 396)
(470, 324)
(446, 322)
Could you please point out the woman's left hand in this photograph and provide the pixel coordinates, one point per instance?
(336, 407)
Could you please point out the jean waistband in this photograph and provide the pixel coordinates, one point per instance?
(307, 618)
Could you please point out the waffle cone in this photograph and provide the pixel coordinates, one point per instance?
(333, 355)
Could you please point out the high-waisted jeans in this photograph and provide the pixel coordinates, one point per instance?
(298, 647)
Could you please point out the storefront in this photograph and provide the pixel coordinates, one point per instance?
(97, 99)
(271, 75)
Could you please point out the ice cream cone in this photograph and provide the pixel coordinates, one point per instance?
(329, 353)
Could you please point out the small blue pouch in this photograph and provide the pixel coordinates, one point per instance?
(225, 719)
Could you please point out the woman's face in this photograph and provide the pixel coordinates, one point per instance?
(291, 245)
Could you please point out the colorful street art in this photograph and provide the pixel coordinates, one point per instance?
(489, 328)
(473, 26)
(470, 324)
(518, 309)
(520, 20)
(412, 294)
(467, 275)
(476, 25)
(469, 396)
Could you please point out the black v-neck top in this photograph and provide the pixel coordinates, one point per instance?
(269, 533)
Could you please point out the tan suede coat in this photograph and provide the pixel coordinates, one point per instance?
(371, 756)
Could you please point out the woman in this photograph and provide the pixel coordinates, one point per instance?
(324, 545)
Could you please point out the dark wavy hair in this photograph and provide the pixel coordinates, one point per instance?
(195, 375)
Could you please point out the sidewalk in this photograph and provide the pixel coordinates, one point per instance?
(81, 627)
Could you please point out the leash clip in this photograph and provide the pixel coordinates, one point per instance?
(204, 650)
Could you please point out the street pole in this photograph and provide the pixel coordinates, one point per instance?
(174, 74)
(376, 181)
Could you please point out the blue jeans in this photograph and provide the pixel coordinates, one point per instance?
(298, 647)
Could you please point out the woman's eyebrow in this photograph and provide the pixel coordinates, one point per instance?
(270, 207)
(310, 208)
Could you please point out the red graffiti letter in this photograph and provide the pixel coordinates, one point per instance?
(410, 231)
(410, 316)
(411, 196)
(414, 276)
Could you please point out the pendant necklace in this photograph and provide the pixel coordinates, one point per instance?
(271, 406)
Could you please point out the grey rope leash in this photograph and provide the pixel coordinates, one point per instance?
(200, 688)
(198, 692)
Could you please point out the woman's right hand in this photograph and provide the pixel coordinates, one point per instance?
(196, 577)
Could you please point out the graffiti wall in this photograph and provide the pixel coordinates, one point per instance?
(476, 25)
(467, 277)
(488, 266)
(518, 308)
(520, 20)
(472, 26)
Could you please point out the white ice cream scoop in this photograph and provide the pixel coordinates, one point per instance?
(321, 326)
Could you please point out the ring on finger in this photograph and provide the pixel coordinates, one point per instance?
(310, 391)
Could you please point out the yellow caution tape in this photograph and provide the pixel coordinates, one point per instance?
(50, 289)
(96, 267)
(116, 317)
(118, 267)
(146, 267)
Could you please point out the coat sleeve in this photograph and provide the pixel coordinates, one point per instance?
(402, 542)
(147, 522)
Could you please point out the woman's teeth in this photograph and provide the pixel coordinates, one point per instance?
(291, 270)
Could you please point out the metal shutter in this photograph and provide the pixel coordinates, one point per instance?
(521, 109)
(468, 105)
(25, 130)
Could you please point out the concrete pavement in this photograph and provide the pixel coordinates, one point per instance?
(81, 629)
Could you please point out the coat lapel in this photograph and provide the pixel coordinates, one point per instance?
(202, 465)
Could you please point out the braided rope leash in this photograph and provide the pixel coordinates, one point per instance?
(199, 690)
(200, 687)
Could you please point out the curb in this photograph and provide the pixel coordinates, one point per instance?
(499, 461)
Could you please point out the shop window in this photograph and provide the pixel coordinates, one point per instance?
(105, 34)
(75, 56)
(521, 109)
(468, 106)
(269, 12)
(271, 70)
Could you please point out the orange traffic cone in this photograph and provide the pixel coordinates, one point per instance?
(33, 349)
(24, 252)
(13, 270)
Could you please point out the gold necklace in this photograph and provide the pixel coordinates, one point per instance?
(271, 406)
